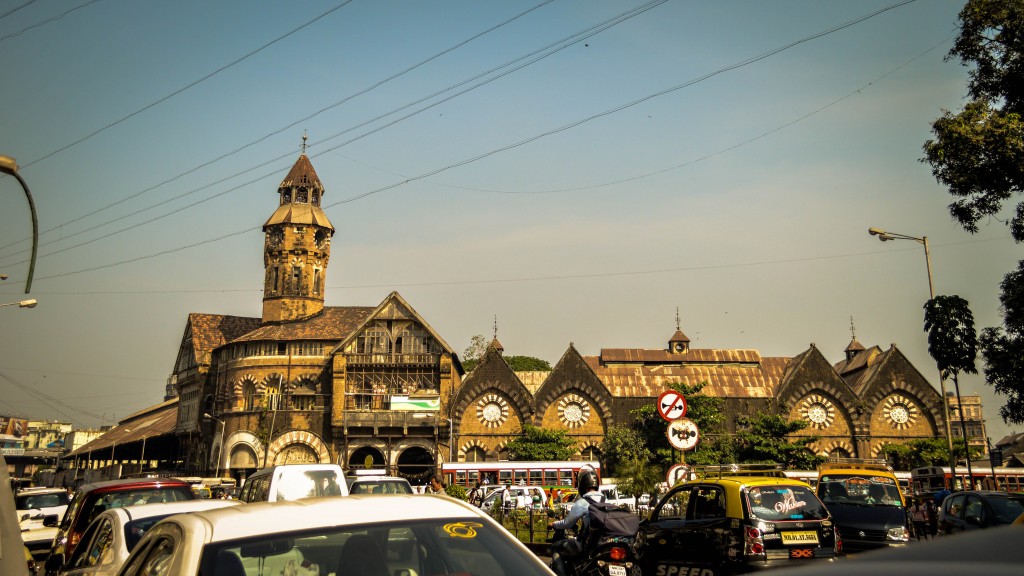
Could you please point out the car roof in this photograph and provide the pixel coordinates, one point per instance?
(741, 481)
(130, 483)
(355, 479)
(253, 519)
(26, 491)
(140, 511)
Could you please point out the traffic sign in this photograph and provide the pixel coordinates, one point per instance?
(671, 405)
(676, 473)
(682, 434)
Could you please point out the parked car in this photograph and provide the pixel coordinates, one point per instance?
(975, 509)
(33, 505)
(613, 495)
(92, 499)
(378, 485)
(521, 497)
(294, 481)
(401, 534)
(728, 522)
(109, 539)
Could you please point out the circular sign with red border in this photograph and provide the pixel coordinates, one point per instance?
(671, 405)
(682, 434)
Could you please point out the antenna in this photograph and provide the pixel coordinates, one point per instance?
(853, 330)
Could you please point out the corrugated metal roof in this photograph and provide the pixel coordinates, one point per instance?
(736, 374)
(159, 420)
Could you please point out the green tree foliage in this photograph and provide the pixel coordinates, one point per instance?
(922, 452)
(638, 476)
(952, 341)
(978, 153)
(763, 438)
(456, 491)
(540, 444)
(621, 445)
(471, 356)
(527, 364)
(705, 411)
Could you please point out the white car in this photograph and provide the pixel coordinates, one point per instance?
(520, 496)
(33, 505)
(361, 535)
(111, 536)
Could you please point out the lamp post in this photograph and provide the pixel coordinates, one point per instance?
(9, 166)
(885, 237)
(220, 453)
(451, 439)
(31, 303)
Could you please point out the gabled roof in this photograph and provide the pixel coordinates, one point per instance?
(391, 305)
(333, 323)
(302, 174)
(678, 337)
(211, 331)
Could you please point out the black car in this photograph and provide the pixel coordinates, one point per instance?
(970, 510)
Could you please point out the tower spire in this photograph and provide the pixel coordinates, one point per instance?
(678, 324)
(304, 138)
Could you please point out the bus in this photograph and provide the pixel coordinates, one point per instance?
(546, 474)
(930, 479)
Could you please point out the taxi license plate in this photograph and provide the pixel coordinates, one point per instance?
(798, 538)
(616, 570)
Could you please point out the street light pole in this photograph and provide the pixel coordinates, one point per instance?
(30, 303)
(884, 237)
(451, 439)
(220, 452)
(9, 166)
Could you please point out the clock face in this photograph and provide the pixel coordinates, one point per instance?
(275, 237)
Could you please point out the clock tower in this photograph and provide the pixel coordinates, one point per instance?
(297, 247)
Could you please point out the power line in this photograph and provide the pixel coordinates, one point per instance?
(44, 22)
(565, 43)
(50, 401)
(464, 162)
(15, 9)
(186, 87)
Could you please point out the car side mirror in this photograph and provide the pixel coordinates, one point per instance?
(51, 521)
(54, 563)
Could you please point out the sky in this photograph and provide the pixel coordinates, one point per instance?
(571, 171)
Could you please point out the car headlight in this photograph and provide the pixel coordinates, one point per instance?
(899, 534)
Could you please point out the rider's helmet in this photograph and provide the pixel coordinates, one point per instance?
(586, 481)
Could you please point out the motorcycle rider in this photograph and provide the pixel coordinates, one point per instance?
(586, 486)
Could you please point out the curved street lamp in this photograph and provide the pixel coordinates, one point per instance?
(9, 166)
(31, 303)
(220, 451)
(885, 236)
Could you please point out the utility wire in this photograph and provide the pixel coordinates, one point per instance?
(50, 401)
(558, 46)
(261, 139)
(497, 150)
(44, 22)
(186, 87)
(15, 9)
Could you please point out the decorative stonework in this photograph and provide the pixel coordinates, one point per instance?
(573, 410)
(492, 410)
(900, 411)
(818, 410)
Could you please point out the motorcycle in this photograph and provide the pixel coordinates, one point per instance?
(608, 557)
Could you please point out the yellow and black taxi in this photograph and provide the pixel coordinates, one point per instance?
(733, 519)
(865, 501)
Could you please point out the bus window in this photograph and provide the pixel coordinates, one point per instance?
(551, 477)
(565, 478)
(520, 477)
(460, 477)
(536, 477)
(505, 476)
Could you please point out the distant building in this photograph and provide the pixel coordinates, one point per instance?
(47, 435)
(967, 413)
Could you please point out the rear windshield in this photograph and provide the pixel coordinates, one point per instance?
(381, 487)
(297, 482)
(779, 503)
(95, 504)
(36, 501)
(859, 490)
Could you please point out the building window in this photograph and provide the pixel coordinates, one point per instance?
(316, 281)
(249, 396)
(272, 400)
(296, 279)
(302, 197)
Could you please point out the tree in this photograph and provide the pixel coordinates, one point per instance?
(527, 364)
(540, 444)
(622, 445)
(476, 349)
(639, 476)
(764, 438)
(705, 411)
(922, 452)
(978, 154)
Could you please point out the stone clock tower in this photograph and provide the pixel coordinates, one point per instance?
(297, 247)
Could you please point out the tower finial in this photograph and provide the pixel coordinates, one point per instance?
(677, 319)
(495, 326)
(853, 331)
(304, 138)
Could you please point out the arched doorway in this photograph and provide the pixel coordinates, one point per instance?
(417, 465)
(296, 454)
(366, 457)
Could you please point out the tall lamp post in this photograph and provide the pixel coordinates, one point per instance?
(220, 452)
(9, 166)
(885, 237)
(451, 439)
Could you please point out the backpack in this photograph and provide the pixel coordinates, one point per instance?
(609, 521)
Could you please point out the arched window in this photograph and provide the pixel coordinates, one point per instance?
(272, 397)
(591, 453)
(476, 454)
(303, 396)
(248, 395)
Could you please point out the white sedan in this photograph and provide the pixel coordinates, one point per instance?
(111, 536)
(361, 535)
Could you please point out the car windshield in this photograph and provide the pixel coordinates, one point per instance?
(778, 503)
(1007, 509)
(380, 487)
(36, 501)
(437, 546)
(296, 483)
(859, 490)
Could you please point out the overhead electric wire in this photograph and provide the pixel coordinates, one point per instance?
(497, 150)
(15, 9)
(186, 87)
(50, 401)
(261, 139)
(44, 22)
(544, 52)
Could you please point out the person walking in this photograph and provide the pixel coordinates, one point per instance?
(436, 486)
(919, 514)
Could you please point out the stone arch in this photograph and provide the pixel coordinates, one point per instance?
(574, 410)
(374, 453)
(416, 463)
(245, 445)
(514, 393)
(590, 450)
(313, 443)
(473, 447)
(572, 374)
(846, 403)
(830, 447)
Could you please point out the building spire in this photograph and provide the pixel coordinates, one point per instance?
(304, 138)
(853, 330)
(678, 324)
(495, 326)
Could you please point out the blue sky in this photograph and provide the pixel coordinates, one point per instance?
(724, 158)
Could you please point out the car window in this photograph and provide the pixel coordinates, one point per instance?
(974, 507)
(1007, 509)
(30, 501)
(79, 558)
(673, 505)
(954, 505)
(706, 503)
(136, 529)
(157, 561)
(790, 502)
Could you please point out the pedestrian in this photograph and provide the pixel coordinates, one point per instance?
(506, 498)
(919, 514)
(556, 496)
(476, 495)
(436, 485)
(933, 517)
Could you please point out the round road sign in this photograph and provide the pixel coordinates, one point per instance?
(671, 405)
(682, 434)
(676, 473)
